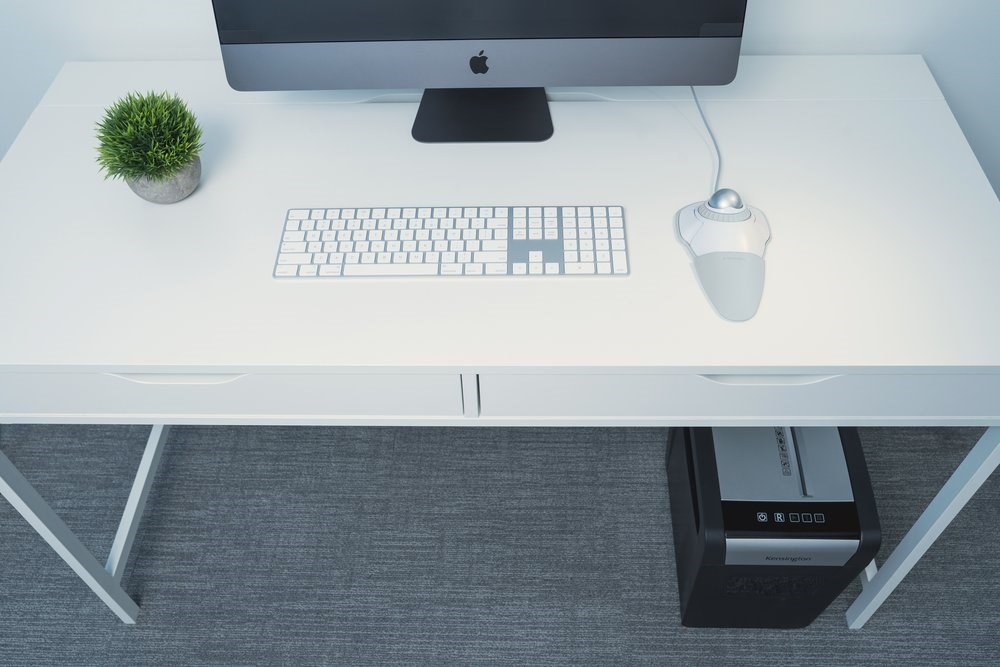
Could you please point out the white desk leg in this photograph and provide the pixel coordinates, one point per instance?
(19, 492)
(956, 492)
(129, 525)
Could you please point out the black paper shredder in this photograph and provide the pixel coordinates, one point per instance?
(770, 524)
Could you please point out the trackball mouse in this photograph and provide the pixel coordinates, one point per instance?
(727, 239)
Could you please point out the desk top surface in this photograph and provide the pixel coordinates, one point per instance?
(883, 255)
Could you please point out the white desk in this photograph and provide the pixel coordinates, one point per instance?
(880, 304)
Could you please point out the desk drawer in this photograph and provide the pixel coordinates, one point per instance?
(745, 399)
(249, 396)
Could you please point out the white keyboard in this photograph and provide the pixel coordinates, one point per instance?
(453, 241)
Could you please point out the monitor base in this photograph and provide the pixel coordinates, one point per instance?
(455, 115)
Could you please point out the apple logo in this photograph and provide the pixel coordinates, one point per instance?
(478, 64)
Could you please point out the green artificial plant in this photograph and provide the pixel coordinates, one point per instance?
(153, 135)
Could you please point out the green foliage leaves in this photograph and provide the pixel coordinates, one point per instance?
(153, 135)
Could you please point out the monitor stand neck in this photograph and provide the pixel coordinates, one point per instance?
(482, 114)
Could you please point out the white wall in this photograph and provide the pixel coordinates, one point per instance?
(957, 37)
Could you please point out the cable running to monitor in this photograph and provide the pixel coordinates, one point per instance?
(715, 144)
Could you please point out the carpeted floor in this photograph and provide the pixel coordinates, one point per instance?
(434, 546)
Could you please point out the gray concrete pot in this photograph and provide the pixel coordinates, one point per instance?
(170, 190)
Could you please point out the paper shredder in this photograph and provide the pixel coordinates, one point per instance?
(770, 524)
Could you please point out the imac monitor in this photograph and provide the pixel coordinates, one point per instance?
(483, 64)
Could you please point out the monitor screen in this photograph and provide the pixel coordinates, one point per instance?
(477, 44)
(291, 21)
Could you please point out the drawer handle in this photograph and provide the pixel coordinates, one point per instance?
(179, 378)
(740, 380)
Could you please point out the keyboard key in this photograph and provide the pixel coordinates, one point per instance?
(496, 269)
(485, 257)
(294, 258)
(579, 268)
(286, 271)
(390, 269)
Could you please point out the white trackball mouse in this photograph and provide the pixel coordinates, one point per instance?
(727, 239)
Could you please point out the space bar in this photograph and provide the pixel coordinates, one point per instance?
(390, 269)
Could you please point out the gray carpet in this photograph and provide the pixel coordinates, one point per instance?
(433, 546)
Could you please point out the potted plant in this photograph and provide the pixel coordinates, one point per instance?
(153, 142)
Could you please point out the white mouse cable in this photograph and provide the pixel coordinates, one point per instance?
(715, 144)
